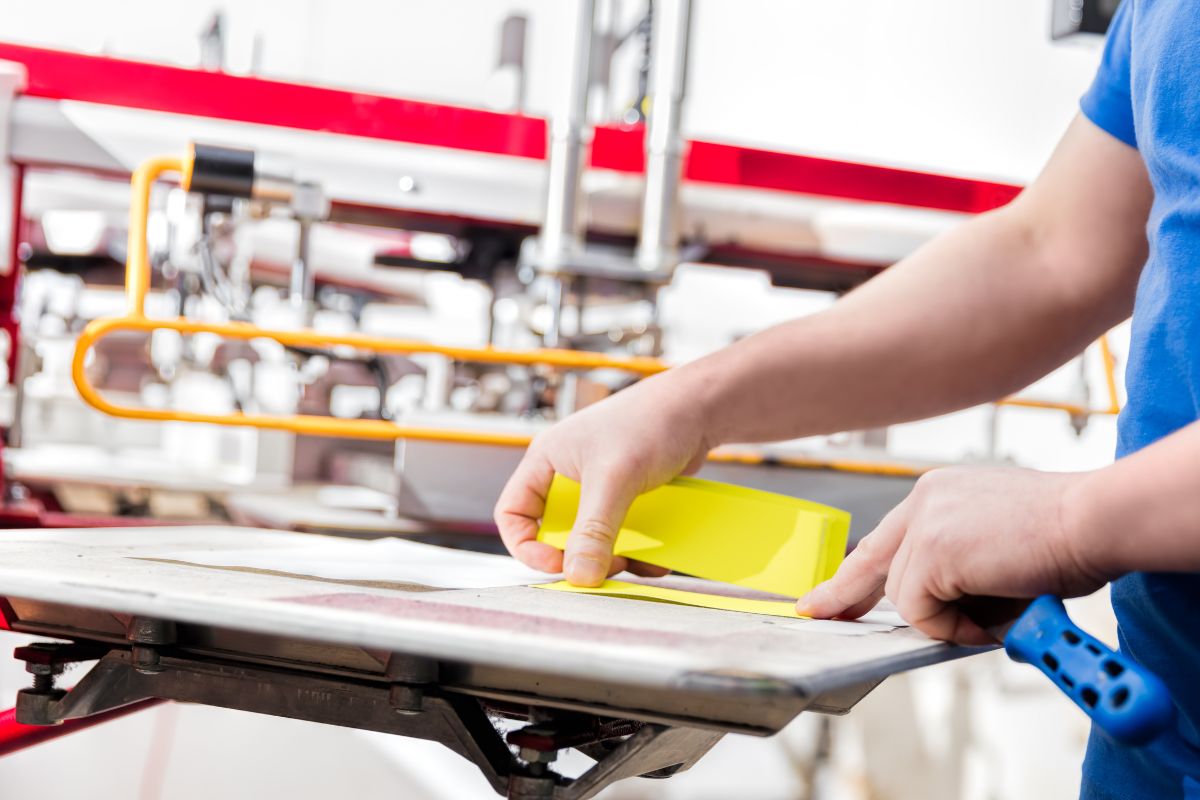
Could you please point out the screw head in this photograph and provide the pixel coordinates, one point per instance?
(531, 756)
(43, 669)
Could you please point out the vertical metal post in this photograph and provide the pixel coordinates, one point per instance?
(302, 283)
(556, 291)
(308, 204)
(605, 41)
(658, 242)
(512, 54)
(561, 236)
(562, 229)
(212, 44)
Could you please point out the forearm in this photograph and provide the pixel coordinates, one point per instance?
(1141, 514)
(970, 317)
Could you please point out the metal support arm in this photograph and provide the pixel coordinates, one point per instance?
(407, 702)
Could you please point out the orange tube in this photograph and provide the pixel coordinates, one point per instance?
(137, 284)
(1110, 382)
(137, 266)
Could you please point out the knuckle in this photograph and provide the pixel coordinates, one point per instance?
(634, 462)
(839, 598)
(934, 537)
(595, 532)
(870, 557)
(540, 441)
(927, 482)
(866, 550)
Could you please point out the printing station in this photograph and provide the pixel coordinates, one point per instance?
(273, 349)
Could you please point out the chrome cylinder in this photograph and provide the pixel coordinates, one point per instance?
(302, 281)
(658, 240)
(562, 228)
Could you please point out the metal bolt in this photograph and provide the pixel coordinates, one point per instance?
(146, 630)
(145, 660)
(411, 669)
(530, 787)
(45, 661)
(531, 756)
(538, 761)
(147, 634)
(405, 699)
(45, 670)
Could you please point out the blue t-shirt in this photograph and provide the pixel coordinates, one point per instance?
(1147, 94)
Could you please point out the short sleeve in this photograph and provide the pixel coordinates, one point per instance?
(1107, 101)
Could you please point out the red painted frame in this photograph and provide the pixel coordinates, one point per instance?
(60, 75)
(10, 282)
(14, 736)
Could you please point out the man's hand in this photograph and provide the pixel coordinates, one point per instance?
(966, 531)
(617, 449)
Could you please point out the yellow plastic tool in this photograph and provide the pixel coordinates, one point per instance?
(746, 537)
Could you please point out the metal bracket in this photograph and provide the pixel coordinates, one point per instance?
(407, 701)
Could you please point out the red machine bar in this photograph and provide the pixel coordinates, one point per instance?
(732, 165)
(14, 736)
(60, 75)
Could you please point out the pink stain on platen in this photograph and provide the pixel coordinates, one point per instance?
(516, 622)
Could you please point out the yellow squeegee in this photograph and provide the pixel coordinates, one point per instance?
(745, 537)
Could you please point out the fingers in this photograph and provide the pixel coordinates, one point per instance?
(931, 610)
(861, 576)
(604, 499)
(939, 619)
(862, 606)
(696, 463)
(894, 586)
(520, 507)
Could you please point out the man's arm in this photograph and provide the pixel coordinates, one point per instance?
(976, 314)
(971, 316)
(1141, 514)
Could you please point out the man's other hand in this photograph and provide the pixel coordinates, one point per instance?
(965, 531)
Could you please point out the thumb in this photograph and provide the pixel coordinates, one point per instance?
(859, 581)
(603, 502)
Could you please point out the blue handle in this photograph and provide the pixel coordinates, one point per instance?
(1125, 700)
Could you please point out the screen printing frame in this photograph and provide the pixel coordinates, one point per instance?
(643, 688)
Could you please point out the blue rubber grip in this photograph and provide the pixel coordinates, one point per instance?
(1125, 700)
